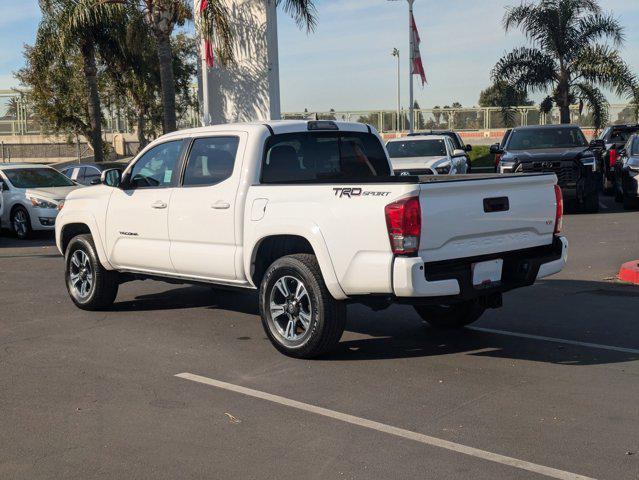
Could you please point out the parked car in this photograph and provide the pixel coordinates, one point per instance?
(615, 138)
(309, 213)
(455, 137)
(426, 155)
(560, 149)
(31, 196)
(507, 168)
(626, 174)
(89, 173)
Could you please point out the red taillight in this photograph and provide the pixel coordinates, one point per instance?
(404, 224)
(613, 158)
(559, 213)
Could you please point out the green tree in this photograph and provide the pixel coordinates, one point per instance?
(503, 95)
(82, 26)
(567, 58)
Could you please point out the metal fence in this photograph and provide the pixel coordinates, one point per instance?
(17, 119)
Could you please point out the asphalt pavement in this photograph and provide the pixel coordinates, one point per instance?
(547, 386)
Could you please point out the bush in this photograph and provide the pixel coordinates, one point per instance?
(480, 156)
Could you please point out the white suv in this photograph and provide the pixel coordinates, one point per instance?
(426, 155)
(31, 196)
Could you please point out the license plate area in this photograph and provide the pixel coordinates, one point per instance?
(487, 274)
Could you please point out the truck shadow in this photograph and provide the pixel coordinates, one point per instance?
(582, 311)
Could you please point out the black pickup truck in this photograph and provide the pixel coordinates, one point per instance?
(561, 149)
(614, 137)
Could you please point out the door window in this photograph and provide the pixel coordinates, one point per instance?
(211, 161)
(90, 174)
(156, 168)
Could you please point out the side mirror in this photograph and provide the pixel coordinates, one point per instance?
(458, 152)
(111, 177)
(469, 148)
(597, 143)
(495, 149)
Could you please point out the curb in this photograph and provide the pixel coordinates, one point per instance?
(629, 272)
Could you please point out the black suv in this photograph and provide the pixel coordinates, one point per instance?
(561, 149)
(614, 137)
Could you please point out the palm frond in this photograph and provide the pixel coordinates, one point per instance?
(527, 69)
(596, 102)
(598, 27)
(214, 26)
(602, 65)
(303, 12)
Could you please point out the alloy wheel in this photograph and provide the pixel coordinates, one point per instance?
(81, 275)
(290, 310)
(20, 223)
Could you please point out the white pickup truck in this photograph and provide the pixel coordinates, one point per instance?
(309, 213)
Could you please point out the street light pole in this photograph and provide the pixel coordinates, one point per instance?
(399, 105)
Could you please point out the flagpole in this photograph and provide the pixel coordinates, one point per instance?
(410, 67)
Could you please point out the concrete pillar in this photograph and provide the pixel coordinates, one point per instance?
(249, 90)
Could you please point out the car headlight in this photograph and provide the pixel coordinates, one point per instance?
(443, 169)
(40, 203)
(589, 162)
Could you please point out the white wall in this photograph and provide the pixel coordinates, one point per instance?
(248, 91)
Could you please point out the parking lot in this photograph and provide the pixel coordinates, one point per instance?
(548, 386)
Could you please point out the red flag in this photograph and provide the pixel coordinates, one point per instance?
(208, 48)
(417, 68)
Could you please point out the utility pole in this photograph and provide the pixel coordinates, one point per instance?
(411, 60)
(399, 104)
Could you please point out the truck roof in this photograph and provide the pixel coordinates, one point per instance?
(11, 166)
(277, 127)
(546, 127)
(419, 138)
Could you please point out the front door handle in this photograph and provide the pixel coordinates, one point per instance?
(159, 204)
(221, 205)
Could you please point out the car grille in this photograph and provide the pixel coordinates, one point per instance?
(566, 171)
(417, 171)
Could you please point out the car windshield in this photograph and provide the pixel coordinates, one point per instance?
(532, 139)
(416, 148)
(37, 178)
(622, 136)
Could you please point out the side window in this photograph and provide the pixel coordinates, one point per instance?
(155, 169)
(211, 161)
(90, 175)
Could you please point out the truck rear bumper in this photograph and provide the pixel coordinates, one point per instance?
(452, 279)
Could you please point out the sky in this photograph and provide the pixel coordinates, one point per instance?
(346, 64)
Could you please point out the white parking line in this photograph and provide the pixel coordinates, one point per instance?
(381, 427)
(556, 340)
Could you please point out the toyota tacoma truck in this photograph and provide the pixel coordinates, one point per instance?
(309, 214)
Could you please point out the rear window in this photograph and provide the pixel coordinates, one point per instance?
(534, 139)
(621, 135)
(308, 156)
(416, 148)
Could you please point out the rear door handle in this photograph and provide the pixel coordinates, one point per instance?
(158, 204)
(221, 205)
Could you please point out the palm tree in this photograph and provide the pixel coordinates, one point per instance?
(566, 58)
(81, 25)
(163, 16)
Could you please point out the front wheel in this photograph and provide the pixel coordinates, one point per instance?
(90, 285)
(450, 316)
(299, 315)
(21, 223)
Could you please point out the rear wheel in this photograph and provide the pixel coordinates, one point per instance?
(591, 203)
(90, 285)
(629, 202)
(21, 223)
(299, 315)
(450, 316)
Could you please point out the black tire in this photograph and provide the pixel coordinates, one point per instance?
(103, 283)
(591, 203)
(325, 316)
(448, 317)
(629, 203)
(21, 223)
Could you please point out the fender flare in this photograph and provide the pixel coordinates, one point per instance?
(311, 233)
(89, 220)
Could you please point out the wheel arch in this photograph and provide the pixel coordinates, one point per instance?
(73, 227)
(272, 246)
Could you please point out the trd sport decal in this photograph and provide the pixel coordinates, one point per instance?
(357, 192)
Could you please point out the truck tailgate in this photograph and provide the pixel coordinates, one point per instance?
(480, 215)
